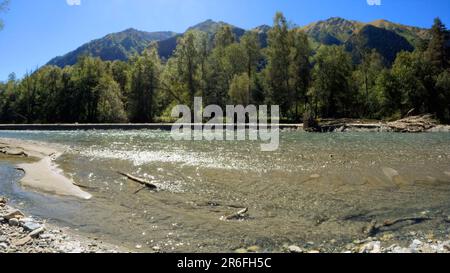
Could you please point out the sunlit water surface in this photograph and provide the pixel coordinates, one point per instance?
(316, 187)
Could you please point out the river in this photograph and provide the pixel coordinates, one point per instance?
(315, 188)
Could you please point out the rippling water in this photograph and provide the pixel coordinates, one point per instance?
(316, 187)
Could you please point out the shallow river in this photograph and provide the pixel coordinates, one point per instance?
(315, 188)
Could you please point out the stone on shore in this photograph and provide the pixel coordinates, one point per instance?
(17, 214)
(294, 249)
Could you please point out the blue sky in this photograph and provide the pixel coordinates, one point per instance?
(38, 30)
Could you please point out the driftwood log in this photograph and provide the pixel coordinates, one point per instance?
(235, 216)
(141, 181)
(413, 124)
(373, 228)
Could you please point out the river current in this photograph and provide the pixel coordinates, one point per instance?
(315, 188)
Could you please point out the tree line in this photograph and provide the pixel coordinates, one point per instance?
(222, 69)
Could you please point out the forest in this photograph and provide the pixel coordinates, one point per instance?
(326, 82)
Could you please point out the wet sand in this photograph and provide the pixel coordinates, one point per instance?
(42, 173)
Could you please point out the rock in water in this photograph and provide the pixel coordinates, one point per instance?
(394, 176)
(390, 173)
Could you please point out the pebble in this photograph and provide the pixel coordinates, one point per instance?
(416, 244)
(23, 241)
(31, 226)
(37, 232)
(13, 214)
(371, 247)
(254, 249)
(13, 222)
(241, 251)
(156, 248)
(295, 249)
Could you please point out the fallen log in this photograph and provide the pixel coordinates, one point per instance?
(413, 124)
(139, 180)
(372, 229)
(235, 216)
(415, 220)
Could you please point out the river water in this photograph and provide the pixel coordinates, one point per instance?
(315, 188)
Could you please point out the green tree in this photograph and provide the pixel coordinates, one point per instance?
(437, 52)
(365, 77)
(224, 37)
(240, 88)
(145, 82)
(86, 76)
(443, 97)
(252, 50)
(49, 94)
(277, 70)
(299, 68)
(188, 58)
(8, 97)
(391, 97)
(331, 92)
(413, 74)
(110, 106)
(226, 59)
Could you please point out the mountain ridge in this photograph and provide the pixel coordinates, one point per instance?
(335, 30)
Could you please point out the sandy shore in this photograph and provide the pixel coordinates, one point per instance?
(42, 174)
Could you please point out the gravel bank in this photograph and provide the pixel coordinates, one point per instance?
(24, 234)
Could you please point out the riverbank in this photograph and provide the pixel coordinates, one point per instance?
(412, 124)
(41, 174)
(20, 233)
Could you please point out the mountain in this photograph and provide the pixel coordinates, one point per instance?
(382, 35)
(332, 31)
(338, 31)
(167, 47)
(263, 33)
(115, 46)
(386, 42)
(414, 35)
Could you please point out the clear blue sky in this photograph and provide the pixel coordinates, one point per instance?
(38, 30)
